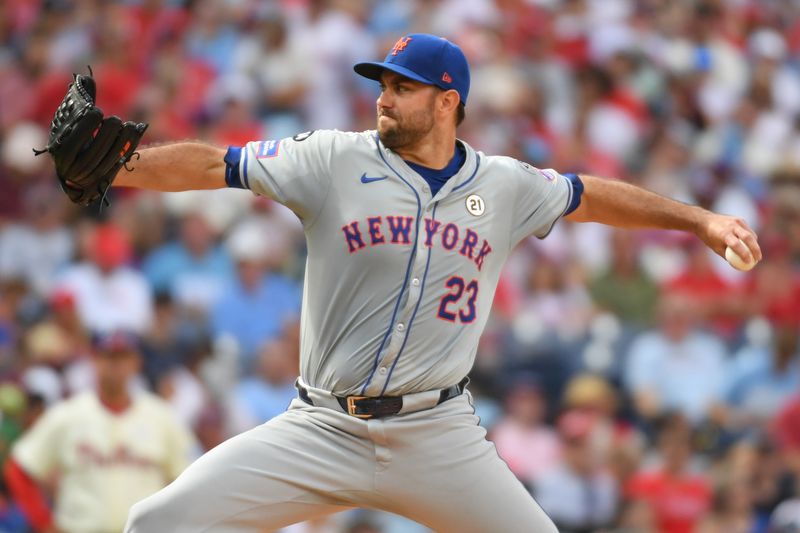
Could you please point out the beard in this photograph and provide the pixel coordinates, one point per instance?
(405, 130)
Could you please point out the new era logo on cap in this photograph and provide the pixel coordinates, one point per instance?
(425, 58)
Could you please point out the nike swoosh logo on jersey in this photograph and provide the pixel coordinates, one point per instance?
(369, 179)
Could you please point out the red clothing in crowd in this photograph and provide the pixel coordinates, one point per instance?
(786, 426)
(26, 492)
(678, 503)
(703, 286)
(709, 290)
(777, 293)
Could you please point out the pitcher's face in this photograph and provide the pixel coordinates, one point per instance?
(405, 110)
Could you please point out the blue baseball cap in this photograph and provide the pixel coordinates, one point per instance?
(425, 58)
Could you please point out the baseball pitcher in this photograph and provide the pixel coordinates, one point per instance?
(407, 229)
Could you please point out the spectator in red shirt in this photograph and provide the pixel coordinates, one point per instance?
(774, 288)
(711, 295)
(786, 431)
(679, 497)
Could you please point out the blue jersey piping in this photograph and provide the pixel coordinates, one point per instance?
(408, 269)
(475, 173)
(414, 314)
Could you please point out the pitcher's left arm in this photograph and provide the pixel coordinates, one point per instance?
(623, 205)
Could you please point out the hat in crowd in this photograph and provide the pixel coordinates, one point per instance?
(116, 341)
(12, 399)
(525, 380)
(247, 243)
(44, 382)
(425, 58)
(589, 390)
(46, 343)
(786, 517)
(61, 300)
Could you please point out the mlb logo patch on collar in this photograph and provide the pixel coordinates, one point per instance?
(268, 149)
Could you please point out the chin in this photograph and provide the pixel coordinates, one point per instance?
(385, 131)
(387, 137)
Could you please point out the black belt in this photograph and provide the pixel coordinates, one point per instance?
(380, 406)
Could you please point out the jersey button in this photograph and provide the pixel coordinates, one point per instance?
(382, 370)
(426, 188)
(400, 326)
(415, 282)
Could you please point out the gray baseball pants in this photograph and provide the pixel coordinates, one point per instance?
(433, 466)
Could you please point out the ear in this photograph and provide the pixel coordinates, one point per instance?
(448, 101)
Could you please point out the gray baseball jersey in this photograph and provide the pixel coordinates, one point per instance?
(399, 283)
(398, 288)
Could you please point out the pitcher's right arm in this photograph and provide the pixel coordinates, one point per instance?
(176, 167)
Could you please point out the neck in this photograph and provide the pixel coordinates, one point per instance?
(115, 401)
(674, 471)
(435, 150)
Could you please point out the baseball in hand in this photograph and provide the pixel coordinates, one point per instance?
(737, 262)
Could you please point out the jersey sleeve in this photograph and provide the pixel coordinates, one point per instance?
(294, 171)
(542, 196)
(36, 451)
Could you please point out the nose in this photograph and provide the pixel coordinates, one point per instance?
(384, 100)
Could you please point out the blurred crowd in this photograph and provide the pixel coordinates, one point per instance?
(632, 380)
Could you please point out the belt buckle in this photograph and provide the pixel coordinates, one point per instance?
(351, 407)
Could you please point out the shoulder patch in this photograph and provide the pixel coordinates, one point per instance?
(549, 174)
(268, 149)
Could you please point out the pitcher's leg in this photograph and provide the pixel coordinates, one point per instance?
(293, 468)
(443, 473)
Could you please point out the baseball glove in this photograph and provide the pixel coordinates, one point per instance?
(88, 149)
